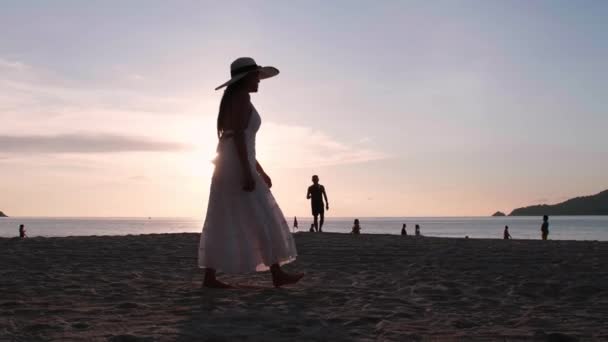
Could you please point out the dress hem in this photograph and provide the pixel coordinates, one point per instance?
(259, 268)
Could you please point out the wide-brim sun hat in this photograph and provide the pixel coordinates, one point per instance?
(242, 66)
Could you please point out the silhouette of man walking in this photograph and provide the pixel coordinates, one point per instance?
(505, 234)
(316, 193)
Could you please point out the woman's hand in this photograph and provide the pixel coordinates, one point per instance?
(267, 180)
(248, 183)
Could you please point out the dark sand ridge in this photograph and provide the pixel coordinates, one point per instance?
(366, 287)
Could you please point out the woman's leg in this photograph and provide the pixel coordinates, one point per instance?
(212, 282)
(280, 278)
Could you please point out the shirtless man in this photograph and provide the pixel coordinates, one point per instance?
(316, 193)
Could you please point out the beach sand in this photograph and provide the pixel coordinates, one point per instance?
(366, 287)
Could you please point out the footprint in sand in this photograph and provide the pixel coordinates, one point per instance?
(80, 326)
(127, 305)
(42, 327)
(130, 338)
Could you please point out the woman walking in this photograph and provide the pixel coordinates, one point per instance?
(244, 230)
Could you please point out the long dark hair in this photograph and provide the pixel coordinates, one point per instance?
(225, 104)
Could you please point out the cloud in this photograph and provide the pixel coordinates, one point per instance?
(135, 77)
(15, 65)
(22, 96)
(38, 92)
(84, 143)
(298, 146)
(35, 101)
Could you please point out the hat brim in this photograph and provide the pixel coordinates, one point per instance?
(265, 72)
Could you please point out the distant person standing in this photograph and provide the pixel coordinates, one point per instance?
(22, 231)
(356, 227)
(417, 230)
(544, 229)
(403, 231)
(316, 193)
(506, 234)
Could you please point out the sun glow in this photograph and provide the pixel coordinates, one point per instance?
(198, 134)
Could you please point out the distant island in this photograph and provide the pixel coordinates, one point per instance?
(499, 213)
(586, 205)
(2, 214)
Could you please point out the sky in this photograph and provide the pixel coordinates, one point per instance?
(403, 108)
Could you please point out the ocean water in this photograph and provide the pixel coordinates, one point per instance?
(561, 227)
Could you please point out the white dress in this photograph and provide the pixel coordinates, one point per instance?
(243, 231)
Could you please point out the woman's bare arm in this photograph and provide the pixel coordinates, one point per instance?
(259, 168)
(262, 173)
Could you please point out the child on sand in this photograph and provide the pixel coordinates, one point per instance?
(22, 234)
(356, 227)
(544, 229)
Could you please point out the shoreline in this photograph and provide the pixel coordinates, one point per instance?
(578, 229)
(396, 235)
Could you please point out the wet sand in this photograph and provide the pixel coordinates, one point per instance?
(366, 287)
